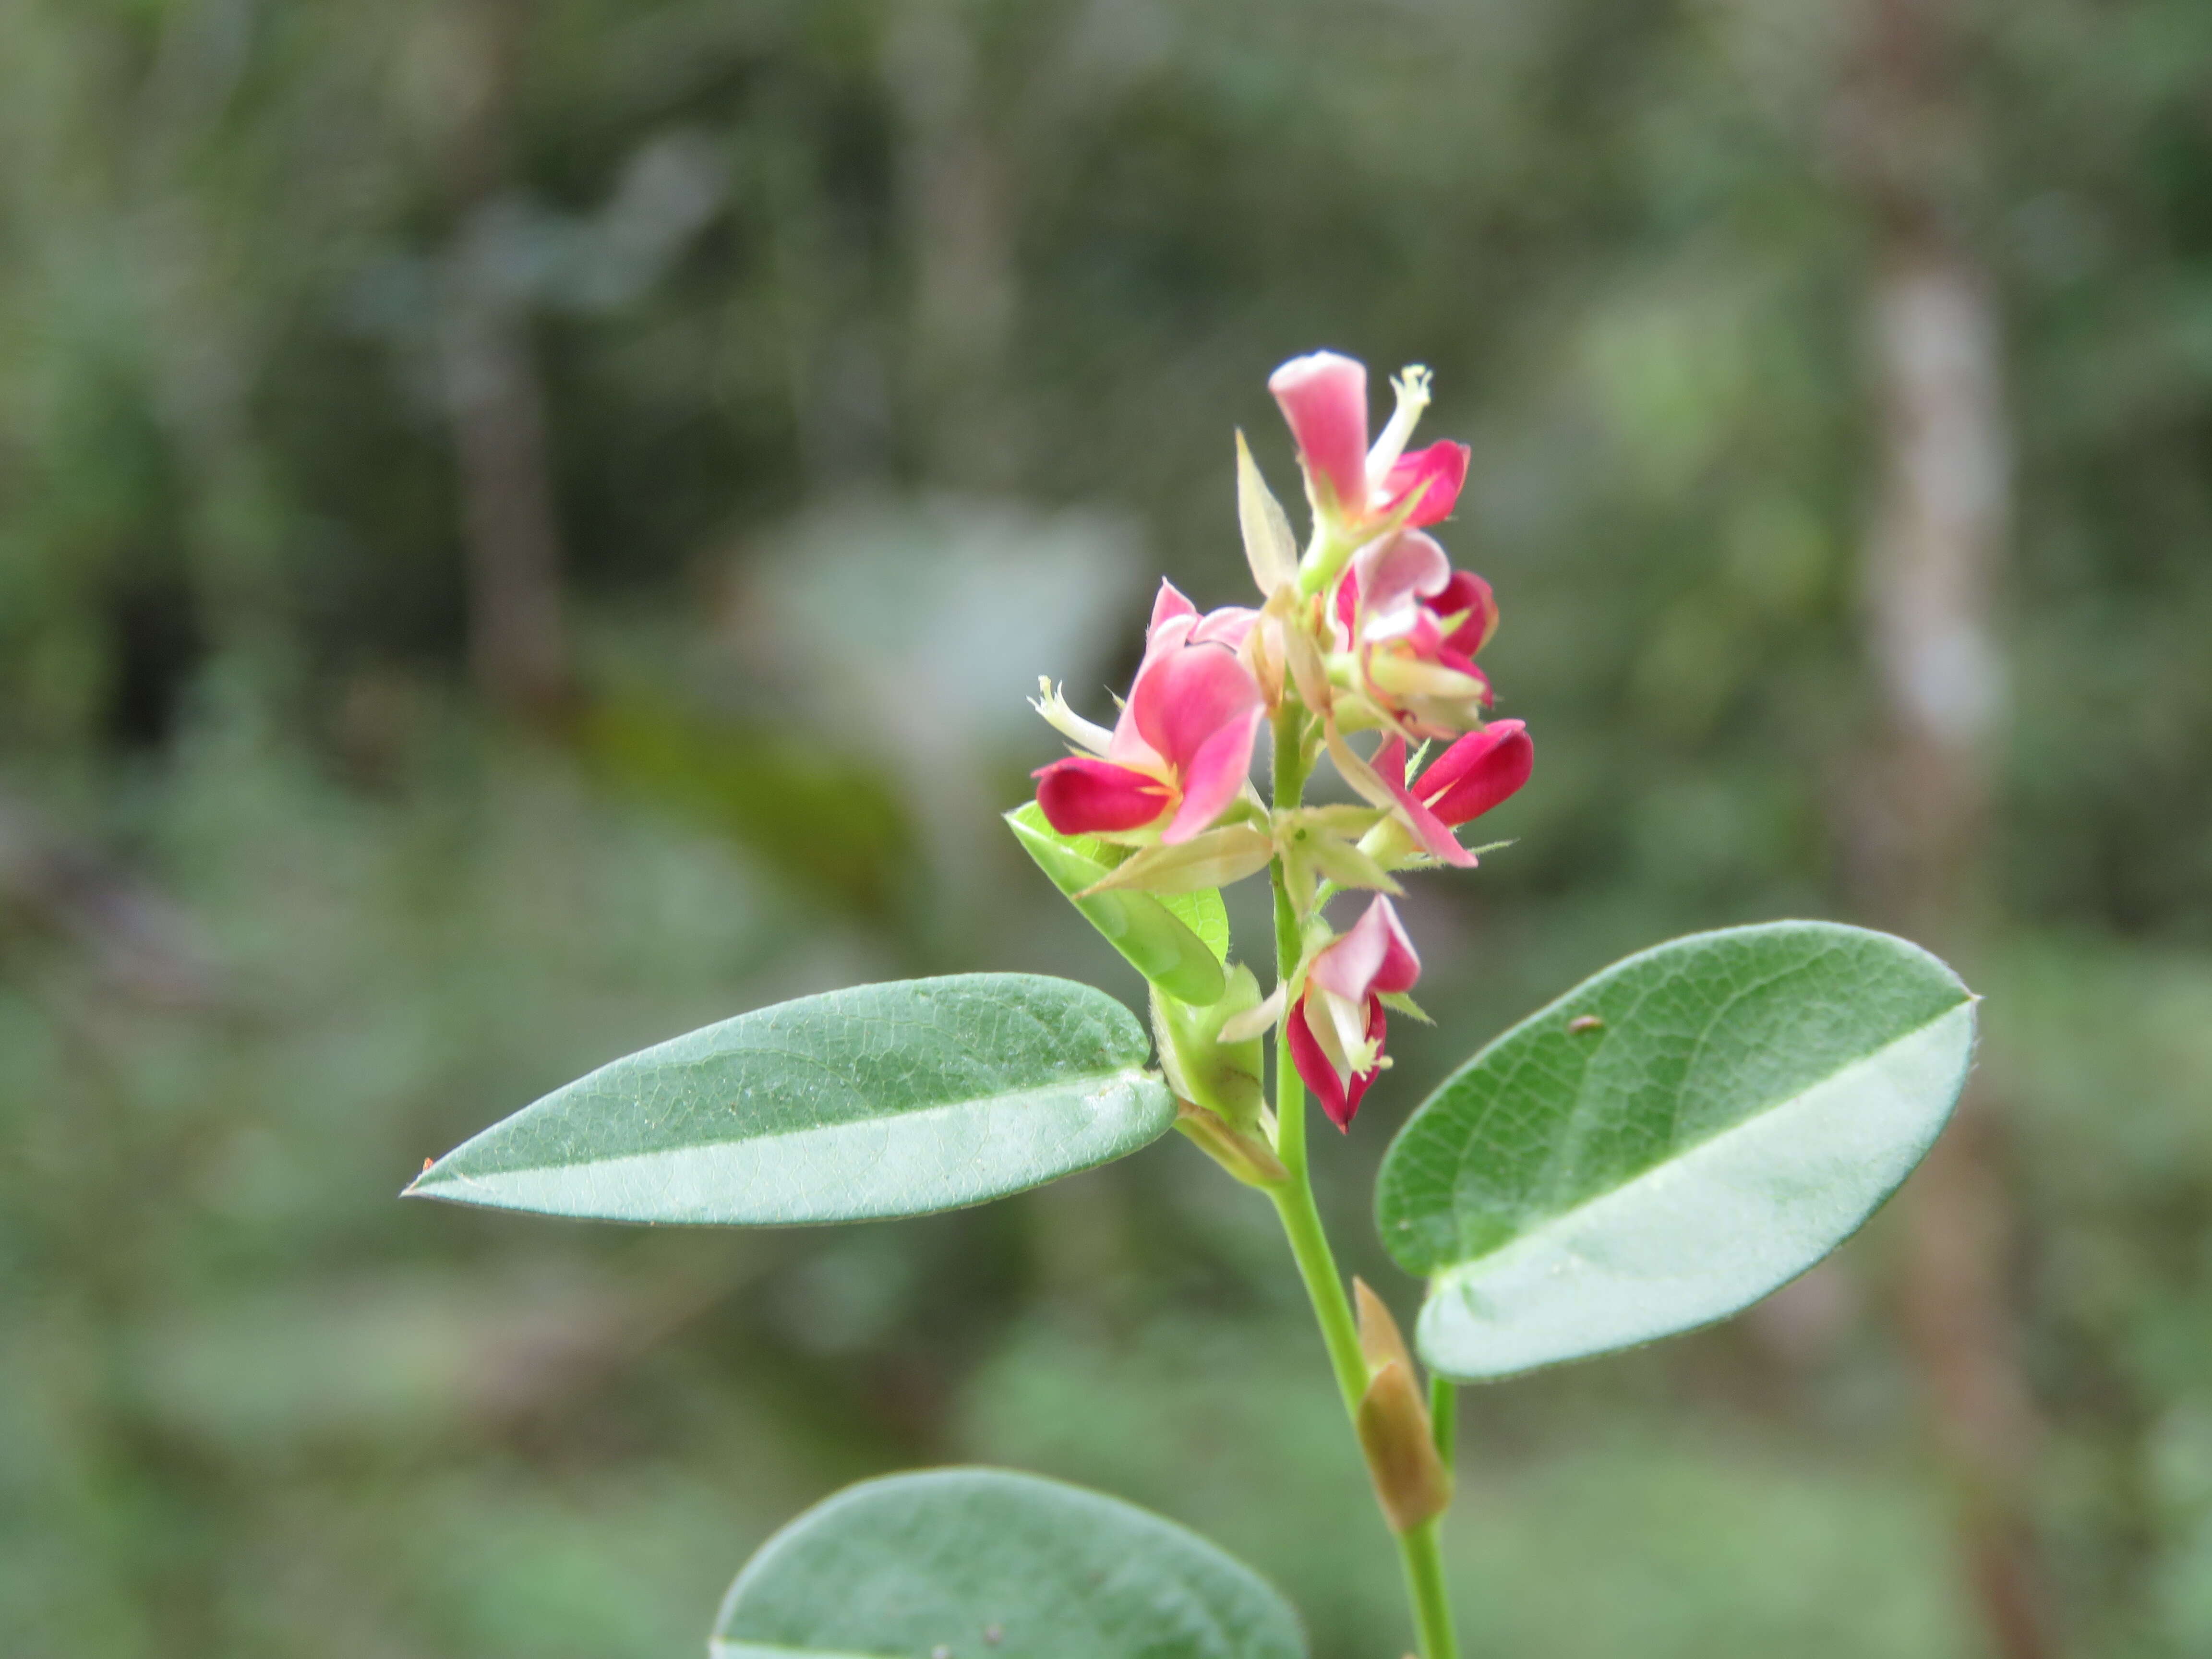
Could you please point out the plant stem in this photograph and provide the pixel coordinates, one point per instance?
(1425, 1589)
(1309, 1240)
(1294, 1198)
(1294, 1203)
(1290, 1093)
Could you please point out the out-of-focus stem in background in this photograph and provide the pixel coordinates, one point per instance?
(518, 646)
(1933, 563)
(954, 200)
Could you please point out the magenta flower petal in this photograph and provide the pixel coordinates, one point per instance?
(1340, 1097)
(1214, 777)
(1373, 956)
(1082, 796)
(1401, 968)
(1438, 471)
(1183, 696)
(1347, 602)
(1467, 596)
(1448, 658)
(1227, 626)
(1167, 604)
(1475, 774)
(1433, 832)
(1323, 396)
(1330, 1090)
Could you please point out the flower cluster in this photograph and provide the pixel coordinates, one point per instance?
(1367, 628)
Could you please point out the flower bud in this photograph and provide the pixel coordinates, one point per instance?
(1324, 398)
(1410, 1482)
(1337, 1027)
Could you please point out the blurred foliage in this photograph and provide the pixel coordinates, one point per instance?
(883, 346)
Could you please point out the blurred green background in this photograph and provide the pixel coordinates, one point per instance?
(526, 526)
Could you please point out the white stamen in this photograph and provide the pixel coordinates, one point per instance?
(1350, 1020)
(1412, 386)
(1065, 721)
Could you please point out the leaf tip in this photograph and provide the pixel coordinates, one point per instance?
(432, 1176)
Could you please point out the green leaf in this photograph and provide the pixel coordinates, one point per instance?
(1178, 941)
(883, 1100)
(1671, 1140)
(1210, 859)
(1205, 914)
(981, 1563)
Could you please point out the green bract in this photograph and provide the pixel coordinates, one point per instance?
(1671, 1140)
(1228, 1078)
(1178, 941)
(981, 1563)
(883, 1100)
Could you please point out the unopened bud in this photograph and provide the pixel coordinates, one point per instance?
(1410, 1482)
(1381, 1341)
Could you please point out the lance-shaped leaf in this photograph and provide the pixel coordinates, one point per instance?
(1363, 777)
(1346, 866)
(1269, 548)
(1213, 859)
(986, 1564)
(883, 1100)
(1179, 942)
(1671, 1140)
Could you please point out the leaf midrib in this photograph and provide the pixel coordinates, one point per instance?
(1104, 1081)
(1554, 1218)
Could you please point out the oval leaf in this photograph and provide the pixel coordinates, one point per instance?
(1671, 1140)
(1178, 941)
(980, 1564)
(883, 1100)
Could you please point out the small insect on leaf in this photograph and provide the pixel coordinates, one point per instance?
(427, 1162)
(1585, 1022)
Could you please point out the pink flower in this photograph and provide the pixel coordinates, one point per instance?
(1474, 774)
(1439, 472)
(1177, 621)
(1181, 748)
(1413, 625)
(1323, 396)
(1337, 1028)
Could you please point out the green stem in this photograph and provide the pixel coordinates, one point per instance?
(1294, 1198)
(1294, 1203)
(1290, 1094)
(1309, 1240)
(1425, 1589)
